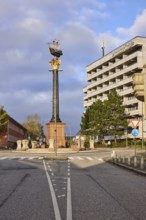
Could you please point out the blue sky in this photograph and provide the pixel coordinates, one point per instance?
(81, 25)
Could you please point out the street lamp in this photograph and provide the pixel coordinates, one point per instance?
(69, 134)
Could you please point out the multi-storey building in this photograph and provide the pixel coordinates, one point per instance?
(115, 71)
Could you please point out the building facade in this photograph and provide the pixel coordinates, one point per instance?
(115, 71)
(15, 131)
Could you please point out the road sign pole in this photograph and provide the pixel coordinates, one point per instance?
(135, 133)
(135, 145)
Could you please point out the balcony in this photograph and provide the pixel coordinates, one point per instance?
(118, 63)
(138, 83)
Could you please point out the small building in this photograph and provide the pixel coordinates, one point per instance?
(15, 131)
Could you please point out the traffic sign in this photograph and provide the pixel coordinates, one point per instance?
(135, 122)
(134, 132)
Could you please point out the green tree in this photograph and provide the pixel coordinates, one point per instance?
(116, 117)
(85, 122)
(105, 117)
(33, 126)
(3, 120)
(93, 122)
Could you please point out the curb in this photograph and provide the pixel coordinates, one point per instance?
(129, 168)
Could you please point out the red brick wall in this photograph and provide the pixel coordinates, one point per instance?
(14, 132)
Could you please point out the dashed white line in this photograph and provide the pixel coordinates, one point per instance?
(59, 196)
(69, 205)
(54, 200)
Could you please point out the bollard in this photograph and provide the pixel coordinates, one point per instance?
(113, 155)
(119, 158)
(135, 161)
(129, 160)
(19, 145)
(34, 144)
(142, 163)
(123, 159)
(24, 144)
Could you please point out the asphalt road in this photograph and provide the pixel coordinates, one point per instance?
(83, 187)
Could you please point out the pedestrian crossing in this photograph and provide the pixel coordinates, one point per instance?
(71, 158)
(85, 158)
(21, 158)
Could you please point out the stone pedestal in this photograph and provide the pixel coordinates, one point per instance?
(80, 143)
(24, 144)
(51, 143)
(55, 130)
(34, 144)
(91, 144)
(19, 145)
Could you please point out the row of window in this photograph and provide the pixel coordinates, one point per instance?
(15, 128)
(116, 59)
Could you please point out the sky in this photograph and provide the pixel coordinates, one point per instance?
(26, 28)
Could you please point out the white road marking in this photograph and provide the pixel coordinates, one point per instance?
(69, 205)
(80, 158)
(40, 158)
(22, 158)
(61, 196)
(31, 158)
(3, 158)
(54, 200)
(101, 160)
(89, 158)
(71, 158)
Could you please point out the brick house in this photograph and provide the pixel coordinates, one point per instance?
(15, 131)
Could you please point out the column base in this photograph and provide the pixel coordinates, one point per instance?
(55, 130)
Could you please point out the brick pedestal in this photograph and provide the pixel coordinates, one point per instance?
(59, 128)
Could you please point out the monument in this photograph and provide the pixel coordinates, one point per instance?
(55, 136)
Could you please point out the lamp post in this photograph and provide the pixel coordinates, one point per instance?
(69, 134)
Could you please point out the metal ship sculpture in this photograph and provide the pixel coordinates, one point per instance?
(54, 48)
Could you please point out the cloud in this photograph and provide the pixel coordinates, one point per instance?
(138, 27)
(25, 29)
(77, 42)
(109, 40)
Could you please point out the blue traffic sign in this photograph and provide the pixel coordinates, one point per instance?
(134, 132)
